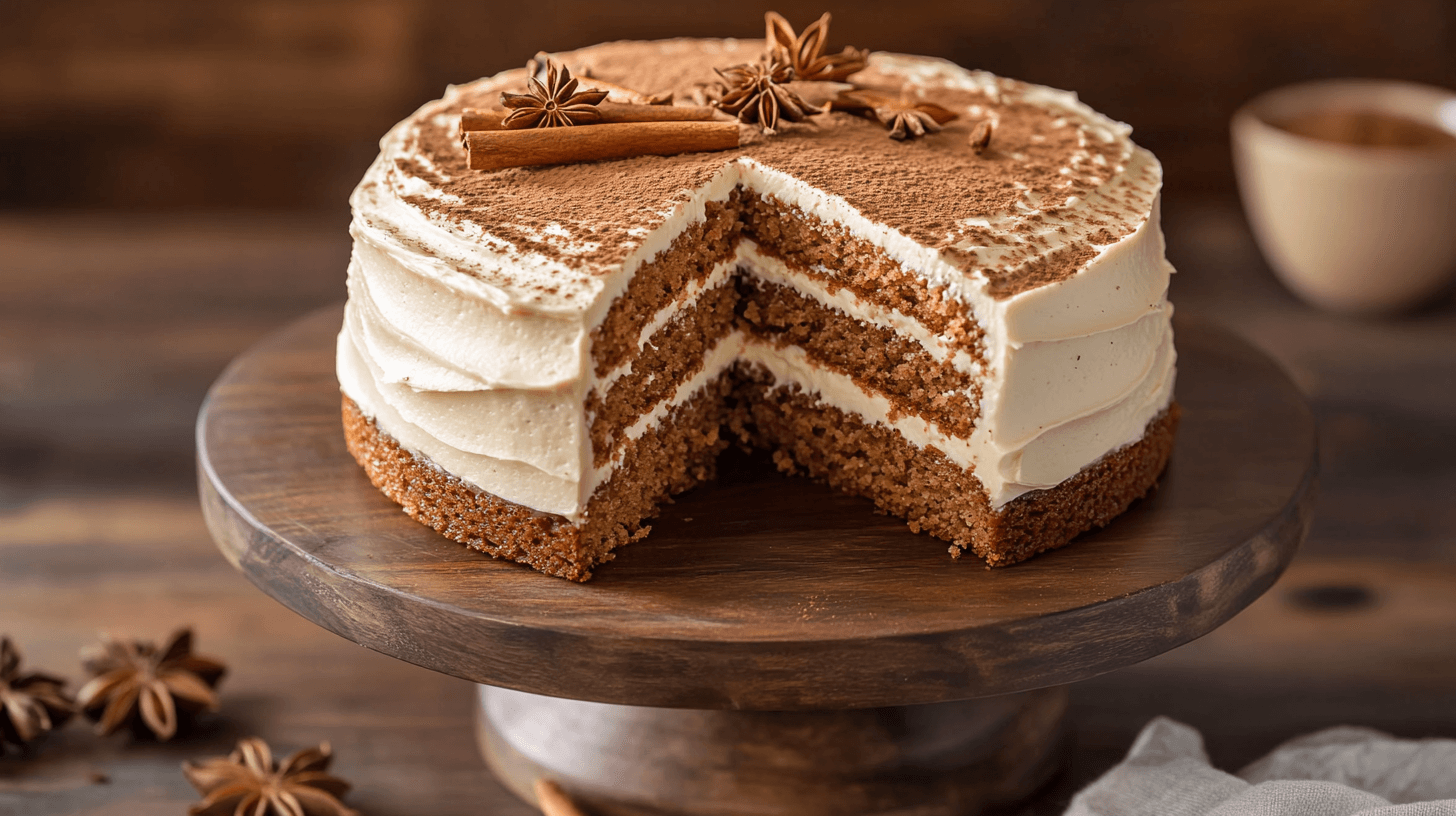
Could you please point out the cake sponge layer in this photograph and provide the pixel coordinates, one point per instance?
(813, 438)
(806, 436)
(677, 455)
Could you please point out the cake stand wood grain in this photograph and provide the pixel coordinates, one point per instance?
(763, 593)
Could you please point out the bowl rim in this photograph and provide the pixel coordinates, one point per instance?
(1428, 104)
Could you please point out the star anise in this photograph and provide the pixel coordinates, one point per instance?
(759, 92)
(556, 103)
(805, 51)
(904, 118)
(907, 123)
(248, 783)
(30, 704)
(135, 683)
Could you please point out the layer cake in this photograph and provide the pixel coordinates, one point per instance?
(533, 360)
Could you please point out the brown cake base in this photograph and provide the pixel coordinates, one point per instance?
(806, 436)
(929, 491)
(679, 454)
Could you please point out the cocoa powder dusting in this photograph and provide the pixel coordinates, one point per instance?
(932, 190)
(1042, 271)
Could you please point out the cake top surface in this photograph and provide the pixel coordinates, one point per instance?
(1057, 183)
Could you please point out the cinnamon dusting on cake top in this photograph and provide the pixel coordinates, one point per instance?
(903, 117)
(1053, 175)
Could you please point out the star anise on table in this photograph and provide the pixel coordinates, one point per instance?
(758, 92)
(248, 783)
(149, 688)
(30, 704)
(554, 103)
(805, 51)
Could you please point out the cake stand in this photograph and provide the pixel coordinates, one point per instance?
(773, 647)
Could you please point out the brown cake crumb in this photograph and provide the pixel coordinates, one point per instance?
(806, 436)
(660, 281)
(810, 246)
(875, 358)
(679, 454)
(674, 355)
(818, 440)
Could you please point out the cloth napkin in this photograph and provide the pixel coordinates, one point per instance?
(1340, 771)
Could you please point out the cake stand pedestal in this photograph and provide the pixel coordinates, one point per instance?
(773, 647)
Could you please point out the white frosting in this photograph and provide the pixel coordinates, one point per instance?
(454, 297)
(456, 348)
(512, 479)
(1048, 382)
(1044, 460)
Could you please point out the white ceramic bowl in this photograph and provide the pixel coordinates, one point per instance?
(1350, 228)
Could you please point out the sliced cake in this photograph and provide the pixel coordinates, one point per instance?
(974, 336)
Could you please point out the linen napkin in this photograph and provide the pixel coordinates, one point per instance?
(1342, 771)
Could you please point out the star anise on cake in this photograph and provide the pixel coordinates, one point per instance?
(151, 689)
(758, 92)
(903, 118)
(554, 103)
(907, 123)
(30, 704)
(805, 51)
(248, 783)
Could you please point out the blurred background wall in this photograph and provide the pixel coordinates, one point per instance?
(277, 104)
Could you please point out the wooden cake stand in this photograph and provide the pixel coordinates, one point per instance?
(773, 647)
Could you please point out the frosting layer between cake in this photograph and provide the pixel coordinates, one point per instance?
(477, 301)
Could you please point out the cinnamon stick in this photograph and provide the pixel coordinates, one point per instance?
(478, 119)
(612, 112)
(498, 149)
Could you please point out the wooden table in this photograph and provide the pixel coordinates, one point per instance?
(111, 331)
